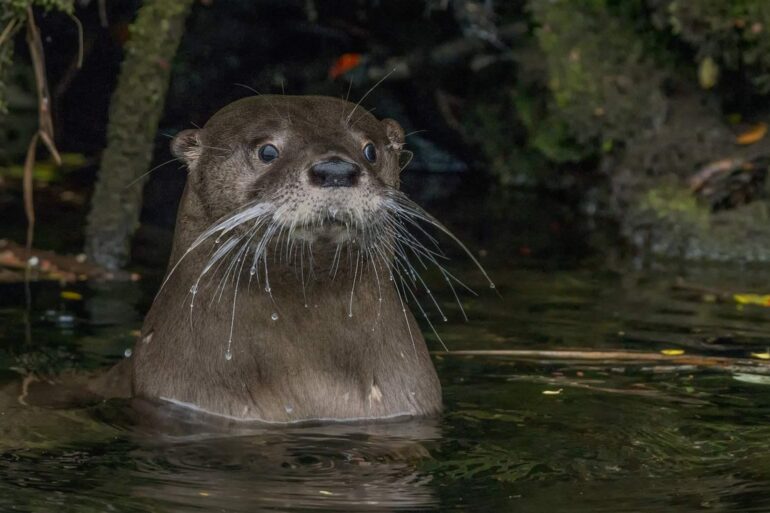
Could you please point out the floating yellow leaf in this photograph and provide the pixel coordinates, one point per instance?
(753, 134)
(761, 356)
(552, 392)
(708, 73)
(752, 299)
(672, 352)
(71, 295)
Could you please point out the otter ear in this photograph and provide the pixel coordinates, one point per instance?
(187, 146)
(395, 134)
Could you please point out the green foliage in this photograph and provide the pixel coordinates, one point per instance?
(599, 70)
(735, 34)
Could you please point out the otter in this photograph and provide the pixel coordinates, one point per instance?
(285, 299)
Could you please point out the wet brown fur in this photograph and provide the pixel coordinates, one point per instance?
(314, 361)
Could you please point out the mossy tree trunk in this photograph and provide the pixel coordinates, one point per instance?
(135, 111)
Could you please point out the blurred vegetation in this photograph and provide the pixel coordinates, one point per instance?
(638, 96)
(13, 16)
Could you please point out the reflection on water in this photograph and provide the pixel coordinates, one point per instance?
(516, 435)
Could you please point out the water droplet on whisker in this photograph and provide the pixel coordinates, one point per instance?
(228, 355)
(274, 316)
(194, 289)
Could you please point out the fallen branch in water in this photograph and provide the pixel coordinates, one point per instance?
(48, 265)
(621, 356)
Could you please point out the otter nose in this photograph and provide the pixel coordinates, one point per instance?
(334, 173)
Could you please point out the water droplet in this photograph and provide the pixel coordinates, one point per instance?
(380, 300)
(491, 285)
(228, 355)
(267, 289)
(253, 270)
(274, 316)
(33, 261)
(128, 352)
(445, 319)
(350, 314)
(288, 408)
(194, 289)
(217, 240)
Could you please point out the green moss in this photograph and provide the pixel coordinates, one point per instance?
(675, 204)
(135, 111)
(667, 221)
(599, 71)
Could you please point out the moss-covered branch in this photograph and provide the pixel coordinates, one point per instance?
(135, 111)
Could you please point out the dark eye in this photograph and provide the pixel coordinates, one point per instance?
(370, 153)
(268, 152)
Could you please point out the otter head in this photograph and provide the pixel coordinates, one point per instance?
(322, 166)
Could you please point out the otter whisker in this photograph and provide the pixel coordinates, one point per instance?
(237, 258)
(398, 235)
(272, 105)
(220, 262)
(250, 211)
(409, 161)
(228, 351)
(397, 222)
(373, 263)
(416, 276)
(419, 305)
(335, 262)
(448, 277)
(367, 93)
(138, 178)
(353, 287)
(403, 306)
(302, 272)
(417, 212)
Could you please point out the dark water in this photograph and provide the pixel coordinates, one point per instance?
(538, 434)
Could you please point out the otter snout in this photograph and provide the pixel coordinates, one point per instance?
(334, 172)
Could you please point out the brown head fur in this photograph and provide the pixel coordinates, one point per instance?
(269, 332)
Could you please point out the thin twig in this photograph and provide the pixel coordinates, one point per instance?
(29, 205)
(8, 30)
(80, 39)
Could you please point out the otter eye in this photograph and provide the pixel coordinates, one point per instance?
(268, 152)
(370, 153)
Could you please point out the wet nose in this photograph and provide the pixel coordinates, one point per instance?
(334, 173)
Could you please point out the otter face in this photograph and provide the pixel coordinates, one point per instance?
(324, 164)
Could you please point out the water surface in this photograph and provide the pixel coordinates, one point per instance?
(534, 434)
